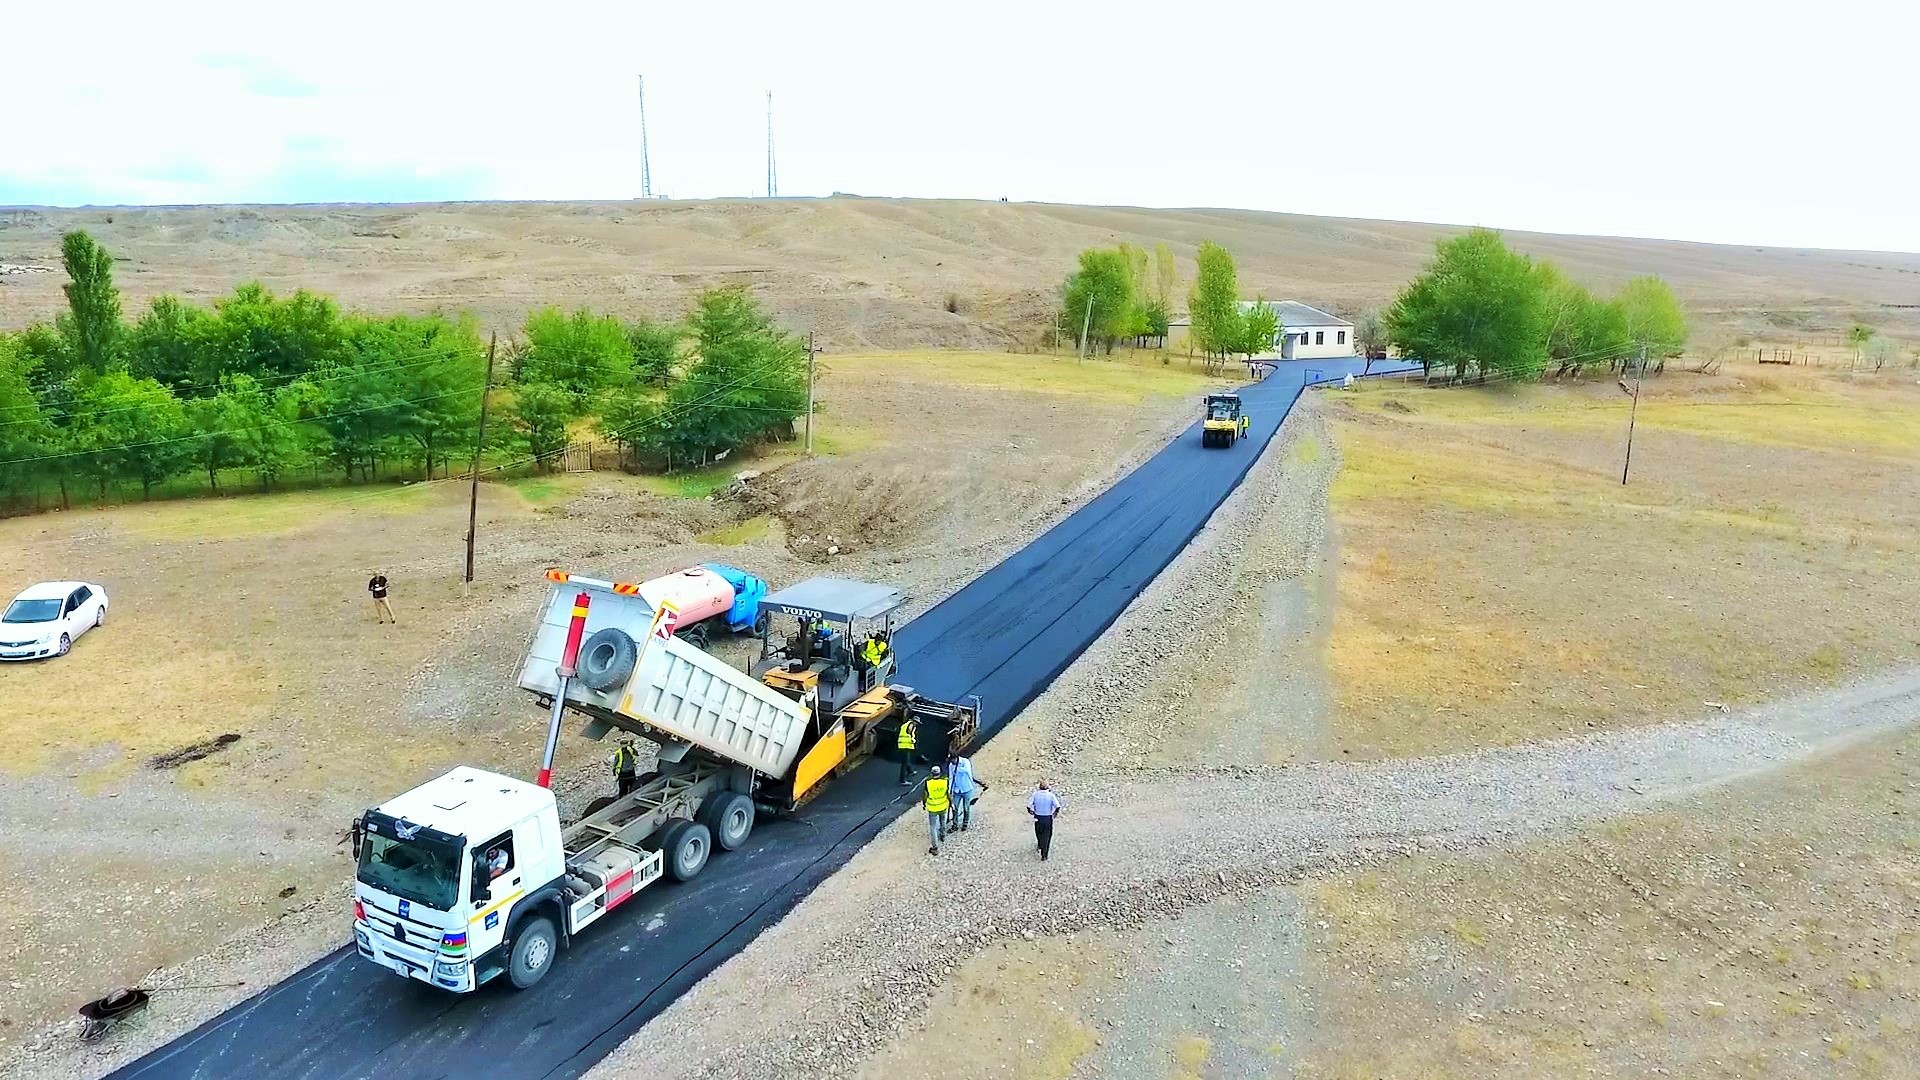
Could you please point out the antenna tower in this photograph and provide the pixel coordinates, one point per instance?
(646, 169)
(773, 178)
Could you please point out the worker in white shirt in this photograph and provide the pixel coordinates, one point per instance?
(1044, 805)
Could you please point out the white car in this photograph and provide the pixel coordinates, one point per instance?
(46, 619)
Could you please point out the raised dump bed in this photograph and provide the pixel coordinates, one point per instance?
(662, 689)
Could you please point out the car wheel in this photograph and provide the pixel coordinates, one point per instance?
(66, 643)
(100, 617)
(532, 952)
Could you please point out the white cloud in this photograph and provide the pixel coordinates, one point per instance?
(1747, 123)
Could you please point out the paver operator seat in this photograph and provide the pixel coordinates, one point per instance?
(821, 654)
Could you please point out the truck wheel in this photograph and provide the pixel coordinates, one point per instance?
(729, 817)
(698, 635)
(685, 847)
(607, 659)
(532, 952)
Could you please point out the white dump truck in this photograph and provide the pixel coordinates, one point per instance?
(471, 876)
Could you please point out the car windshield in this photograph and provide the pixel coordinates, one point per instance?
(423, 871)
(23, 611)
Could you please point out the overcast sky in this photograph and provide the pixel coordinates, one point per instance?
(1755, 122)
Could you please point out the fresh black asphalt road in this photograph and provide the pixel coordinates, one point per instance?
(1004, 637)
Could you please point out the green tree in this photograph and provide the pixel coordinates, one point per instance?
(1259, 328)
(1098, 297)
(631, 418)
(124, 428)
(1164, 278)
(167, 341)
(540, 414)
(656, 350)
(747, 381)
(26, 433)
(256, 333)
(273, 440)
(1369, 333)
(581, 353)
(1213, 306)
(1857, 336)
(91, 325)
(221, 442)
(1477, 305)
(1654, 320)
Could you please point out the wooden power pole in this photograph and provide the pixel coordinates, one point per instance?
(1633, 413)
(810, 355)
(473, 491)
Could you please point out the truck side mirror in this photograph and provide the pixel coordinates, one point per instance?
(354, 832)
(479, 891)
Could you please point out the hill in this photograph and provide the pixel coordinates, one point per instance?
(870, 272)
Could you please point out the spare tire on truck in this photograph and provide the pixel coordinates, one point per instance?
(607, 659)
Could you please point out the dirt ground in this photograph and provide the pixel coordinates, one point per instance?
(248, 616)
(873, 273)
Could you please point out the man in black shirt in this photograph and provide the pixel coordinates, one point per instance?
(378, 587)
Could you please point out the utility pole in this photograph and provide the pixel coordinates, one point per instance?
(473, 491)
(1085, 325)
(646, 168)
(1633, 413)
(810, 355)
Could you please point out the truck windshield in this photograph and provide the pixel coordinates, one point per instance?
(423, 871)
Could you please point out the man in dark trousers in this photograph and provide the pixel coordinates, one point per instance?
(1044, 805)
(623, 762)
(382, 611)
(905, 743)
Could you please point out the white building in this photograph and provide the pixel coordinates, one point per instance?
(1308, 333)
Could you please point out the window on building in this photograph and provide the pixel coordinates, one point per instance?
(1342, 339)
(1319, 337)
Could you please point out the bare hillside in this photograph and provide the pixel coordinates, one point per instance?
(875, 272)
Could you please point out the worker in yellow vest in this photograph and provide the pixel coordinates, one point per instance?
(908, 731)
(625, 759)
(936, 805)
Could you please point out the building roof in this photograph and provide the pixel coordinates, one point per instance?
(1291, 312)
(1295, 313)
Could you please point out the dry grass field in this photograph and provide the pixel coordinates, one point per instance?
(875, 273)
(1497, 583)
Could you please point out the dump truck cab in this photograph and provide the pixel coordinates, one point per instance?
(447, 873)
(1224, 422)
(815, 641)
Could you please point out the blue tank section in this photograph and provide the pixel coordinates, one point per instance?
(748, 591)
